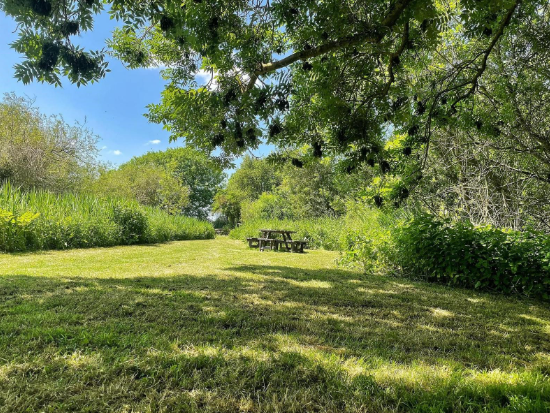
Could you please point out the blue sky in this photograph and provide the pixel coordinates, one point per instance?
(113, 108)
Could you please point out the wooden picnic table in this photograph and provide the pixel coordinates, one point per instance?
(267, 239)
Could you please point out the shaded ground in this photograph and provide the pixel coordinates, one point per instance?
(213, 326)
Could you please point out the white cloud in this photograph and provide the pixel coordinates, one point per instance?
(117, 152)
(207, 78)
(103, 148)
(155, 142)
(156, 66)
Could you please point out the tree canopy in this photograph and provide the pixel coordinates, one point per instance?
(179, 180)
(339, 75)
(194, 170)
(149, 184)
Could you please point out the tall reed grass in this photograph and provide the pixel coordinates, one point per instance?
(41, 220)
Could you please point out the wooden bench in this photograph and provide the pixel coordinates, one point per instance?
(298, 245)
(253, 242)
(272, 244)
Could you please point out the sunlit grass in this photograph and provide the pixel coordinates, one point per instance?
(212, 326)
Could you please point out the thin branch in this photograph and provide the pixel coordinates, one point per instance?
(474, 81)
(525, 172)
(393, 59)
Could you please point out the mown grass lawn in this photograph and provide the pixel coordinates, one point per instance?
(211, 326)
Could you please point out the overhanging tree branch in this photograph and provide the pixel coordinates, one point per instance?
(473, 81)
(368, 36)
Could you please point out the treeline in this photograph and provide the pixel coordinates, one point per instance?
(56, 194)
(41, 152)
(179, 180)
(270, 189)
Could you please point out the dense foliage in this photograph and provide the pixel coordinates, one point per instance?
(265, 189)
(148, 184)
(367, 237)
(178, 180)
(491, 164)
(253, 178)
(41, 220)
(454, 252)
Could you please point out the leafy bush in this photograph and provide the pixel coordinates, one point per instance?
(267, 206)
(488, 258)
(15, 231)
(41, 220)
(132, 223)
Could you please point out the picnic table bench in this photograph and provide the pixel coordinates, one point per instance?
(266, 240)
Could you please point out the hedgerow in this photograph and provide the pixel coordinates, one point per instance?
(480, 257)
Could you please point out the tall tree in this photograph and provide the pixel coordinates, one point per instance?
(147, 183)
(332, 73)
(492, 163)
(253, 178)
(196, 171)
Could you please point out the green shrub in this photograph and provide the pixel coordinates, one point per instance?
(367, 239)
(487, 258)
(16, 231)
(132, 223)
(456, 253)
(267, 207)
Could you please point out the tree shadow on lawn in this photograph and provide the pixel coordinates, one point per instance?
(277, 338)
